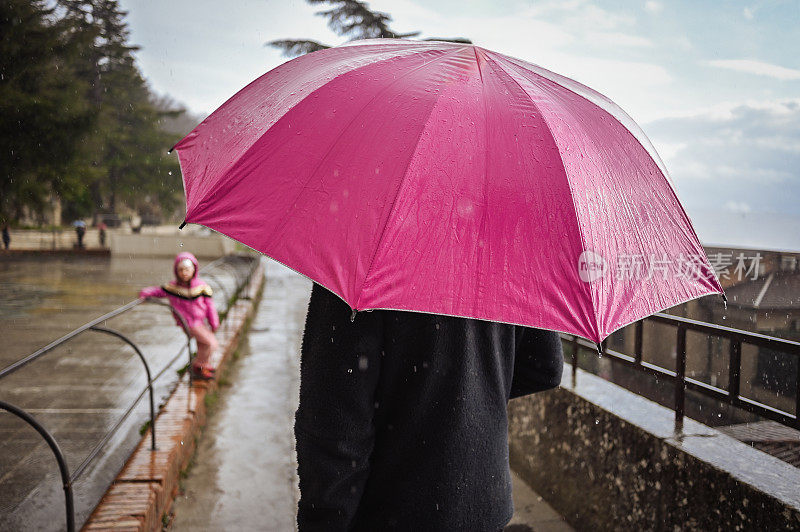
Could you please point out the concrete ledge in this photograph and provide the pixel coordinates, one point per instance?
(607, 459)
(144, 245)
(143, 492)
(26, 253)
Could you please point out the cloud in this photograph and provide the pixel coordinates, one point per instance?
(738, 207)
(682, 42)
(758, 230)
(653, 6)
(736, 168)
(577, 38)
(758, 68)
(581, 15)
(619, 39)
(732, 151)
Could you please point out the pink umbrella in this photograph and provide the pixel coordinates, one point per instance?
(449, 179)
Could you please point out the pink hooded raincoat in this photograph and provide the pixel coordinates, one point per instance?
(194, 302)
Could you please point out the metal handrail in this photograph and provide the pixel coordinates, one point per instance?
(66, 481)
(11, 368)
(678, 377)
(67, 478)
(146, 370)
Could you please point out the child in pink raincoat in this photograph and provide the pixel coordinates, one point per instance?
(190, 297)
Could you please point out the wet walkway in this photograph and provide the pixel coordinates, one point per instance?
(243, 475)
(244, 472)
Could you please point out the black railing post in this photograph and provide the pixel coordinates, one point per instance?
(574, 361)
(680, 378)
(638, 340)
(797, 398)
(735, 369)
(62, 463)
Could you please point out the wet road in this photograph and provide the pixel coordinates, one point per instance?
(79, 390)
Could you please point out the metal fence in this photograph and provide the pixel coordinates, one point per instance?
(730, 394)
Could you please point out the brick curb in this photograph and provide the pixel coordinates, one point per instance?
(143, 492)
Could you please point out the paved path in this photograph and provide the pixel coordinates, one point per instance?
(244, 473)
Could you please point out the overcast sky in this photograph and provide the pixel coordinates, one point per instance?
(716, 85)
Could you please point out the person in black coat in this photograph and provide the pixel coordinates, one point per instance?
(402, 421)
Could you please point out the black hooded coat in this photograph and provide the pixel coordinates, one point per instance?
(402, 421)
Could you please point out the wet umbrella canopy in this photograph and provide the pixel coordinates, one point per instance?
(446, 178)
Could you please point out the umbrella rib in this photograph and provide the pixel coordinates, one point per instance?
(227, 177)
(402, 178)
(605, 99)
(686, 219)
(657, 159)
(278, 230)
(481, 232)
(569, 185)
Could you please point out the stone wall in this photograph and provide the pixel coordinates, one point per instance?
(607, 459)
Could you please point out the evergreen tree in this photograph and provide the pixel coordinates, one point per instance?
(42, 113)
(124, 157)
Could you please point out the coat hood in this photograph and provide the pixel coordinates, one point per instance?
(185, 255)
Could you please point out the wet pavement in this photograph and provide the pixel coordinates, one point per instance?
(244, 473)
(79, 390)
(243, 476)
